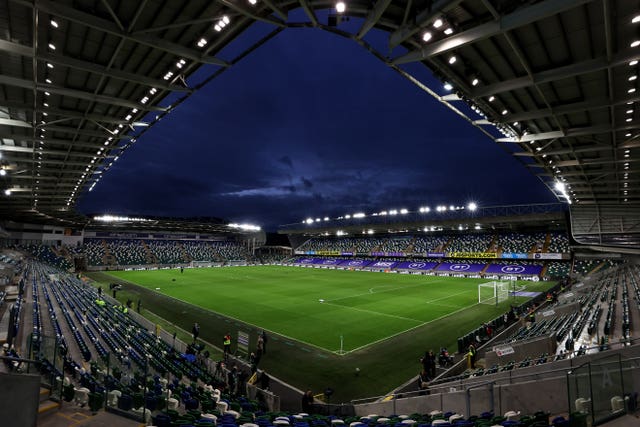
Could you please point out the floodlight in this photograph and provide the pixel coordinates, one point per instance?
(635, 43)
(253, 2)
(393, 212)
(52, 46)
(54, 24)
(3, 172)
(634, 62)
(359, 215)
(559, 186)
(635, 19)
(452, 60)
(326, 218)
(369, 231)
(472, 206)
(448, 86)
(404, 211)
(475, 81)
(426, 36)
(341, 7)
(448, 31)
(317, 219)
(437, 23)
(309, 220)
(347, 216)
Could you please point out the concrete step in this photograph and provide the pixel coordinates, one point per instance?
(47, 407)
(44, 394)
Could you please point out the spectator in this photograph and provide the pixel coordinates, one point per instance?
(226, 343)
(307, 402)
(195, 331)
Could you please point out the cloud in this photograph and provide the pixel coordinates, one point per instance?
(285, 190)
(307, 183)
(286, 160)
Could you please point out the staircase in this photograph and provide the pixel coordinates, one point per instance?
(149, 256)
(46, 406)
(108, 258)
(186, 258)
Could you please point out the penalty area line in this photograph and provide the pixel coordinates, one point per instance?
(408, 330)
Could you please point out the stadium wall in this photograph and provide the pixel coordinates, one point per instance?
(527, 390)
(19, 397)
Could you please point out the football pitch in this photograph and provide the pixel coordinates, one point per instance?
(338, 311)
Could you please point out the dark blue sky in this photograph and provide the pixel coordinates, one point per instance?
(310, 124)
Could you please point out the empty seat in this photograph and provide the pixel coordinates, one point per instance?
(82, 396)
(617, 404)
(113, 396)
(172, 403)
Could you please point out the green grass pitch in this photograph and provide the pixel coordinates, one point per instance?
(319, 306)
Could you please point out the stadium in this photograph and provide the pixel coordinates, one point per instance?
(449, 313)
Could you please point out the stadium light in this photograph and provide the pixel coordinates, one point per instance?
(404, 211)
(115, 218)
(383, 213)
(309, 221)
(340, 233)
(437, 23)
(7, 192)
(369, 231)
(393, 212)
(448, 86)
(245, 227)
(326, 218)
(472, 206)
(347, 216)
(341, 7)
(359, 215)
(426, 36)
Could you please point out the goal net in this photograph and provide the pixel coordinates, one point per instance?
(493, 293)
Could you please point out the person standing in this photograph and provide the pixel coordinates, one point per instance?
(472, 356)
(264, 341)
(307, 402)
(431, 364)
(259, 348)
(226, 343)
(195, 331)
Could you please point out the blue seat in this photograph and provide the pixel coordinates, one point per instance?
(125, 402)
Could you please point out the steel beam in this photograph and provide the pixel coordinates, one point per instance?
(519, 18)
(422, 19)
(575, 69)
(92, 21)
(373, 17)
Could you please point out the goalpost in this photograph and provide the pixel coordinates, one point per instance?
(494, 292)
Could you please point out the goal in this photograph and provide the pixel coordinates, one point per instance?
(493, 293)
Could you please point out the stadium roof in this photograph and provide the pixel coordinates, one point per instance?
(552, 81)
